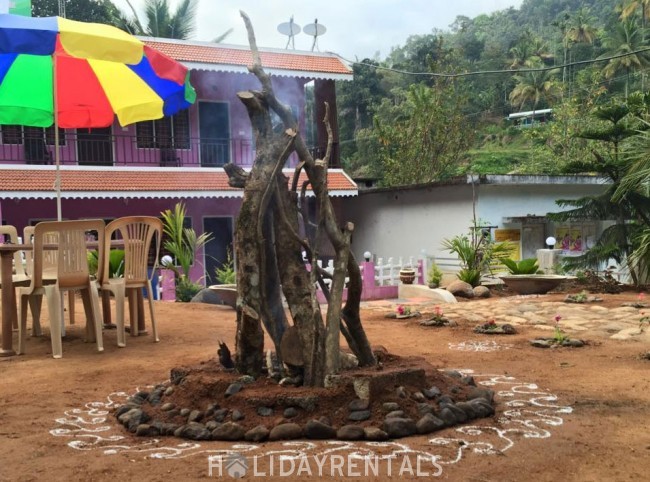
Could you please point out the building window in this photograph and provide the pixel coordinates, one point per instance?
(14, 134)
(166, 133)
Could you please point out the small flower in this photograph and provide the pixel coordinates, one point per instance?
(557, 318)
(492, 323)
(400, 310)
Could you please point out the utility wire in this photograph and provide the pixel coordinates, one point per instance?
(488, 72)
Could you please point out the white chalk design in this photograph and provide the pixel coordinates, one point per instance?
(484, 346)
(524, 411)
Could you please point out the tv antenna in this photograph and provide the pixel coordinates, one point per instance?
(290, 29)
(315, 30)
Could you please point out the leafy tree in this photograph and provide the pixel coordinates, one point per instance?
(357, 101)
(98, 11)
(615, 125)
(422, 134)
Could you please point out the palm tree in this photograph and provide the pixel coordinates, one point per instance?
(624, 43)
(630, 8)
(578, 30)
(160, 21)
(534, 86)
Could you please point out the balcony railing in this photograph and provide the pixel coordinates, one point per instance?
(84, 149)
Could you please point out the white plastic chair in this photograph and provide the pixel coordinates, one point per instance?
(71, 274)
(136, 233)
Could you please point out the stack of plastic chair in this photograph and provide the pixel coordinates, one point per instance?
(71, 274)
(136, 234)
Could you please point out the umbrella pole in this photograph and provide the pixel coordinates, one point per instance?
(57, 182)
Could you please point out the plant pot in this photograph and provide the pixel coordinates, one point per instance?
(527, 284)
(407, 276)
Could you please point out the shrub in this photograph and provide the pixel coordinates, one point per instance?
(525, 266)
(434, 275)
(226, 273)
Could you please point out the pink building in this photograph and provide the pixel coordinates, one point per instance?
(148, 167)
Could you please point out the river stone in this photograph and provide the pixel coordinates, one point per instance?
(481, 292)
(424, 408)
(185, 412)
(432, 392)
(289, 412)
(468, 380)
(461, 289)
(195, 416)
(418, 397)
(286, 431)
(257, 434)
(317, 430)
(375, 434)
(237, 416)
(193, 431)
(350, 432)
(478, 392)
(264, 411)
(482, 407)
(359, 404)
(167, 407)
(230, 431)
(389, 406)
(233, 388)
(459, 413)
(395, 414)
(429, 423)
(447, 416)
(220, 415)
(211, 425)
(146, 430)
(399, 427)
(169, 391)
(468, 409)
(359, 415)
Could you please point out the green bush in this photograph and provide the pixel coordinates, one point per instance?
(226, 273)
(434, 275)
(186, 289)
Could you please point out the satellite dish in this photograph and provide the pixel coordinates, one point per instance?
(315, 30)
(290, 29)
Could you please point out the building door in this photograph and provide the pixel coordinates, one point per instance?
(532, 239)
(95, 147)
(216, 251)
(214, 132)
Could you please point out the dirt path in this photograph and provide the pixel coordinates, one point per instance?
(565, 414)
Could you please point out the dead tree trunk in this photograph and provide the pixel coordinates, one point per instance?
(269, 248)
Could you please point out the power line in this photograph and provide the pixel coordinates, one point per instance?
(492, 72)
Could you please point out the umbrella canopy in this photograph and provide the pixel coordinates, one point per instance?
(91, 72)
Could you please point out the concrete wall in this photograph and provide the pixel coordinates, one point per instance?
(403, 223)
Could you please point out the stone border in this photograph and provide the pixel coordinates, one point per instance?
(525, 412)
(481, 346)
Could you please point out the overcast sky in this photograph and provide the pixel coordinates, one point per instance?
(355, 28)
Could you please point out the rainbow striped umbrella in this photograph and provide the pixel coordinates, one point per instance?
(55, 71)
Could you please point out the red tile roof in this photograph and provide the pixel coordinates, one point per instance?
(38, 182)
(229, 55)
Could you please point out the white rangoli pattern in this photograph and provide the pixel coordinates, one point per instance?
(484, 346)
(524, 411)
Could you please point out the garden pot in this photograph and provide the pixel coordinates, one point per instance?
(407, 276)
(528, 284)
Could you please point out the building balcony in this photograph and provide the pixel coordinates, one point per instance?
(85, 149)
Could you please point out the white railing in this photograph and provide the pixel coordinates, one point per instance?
(387, 273)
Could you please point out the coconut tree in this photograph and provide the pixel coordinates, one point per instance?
(534, 86)
(160, 20)
(634, 7)
(624, 44)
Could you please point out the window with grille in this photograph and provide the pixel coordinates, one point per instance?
(14, 134)
(166, 133)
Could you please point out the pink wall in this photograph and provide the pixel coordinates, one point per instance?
(23, 212)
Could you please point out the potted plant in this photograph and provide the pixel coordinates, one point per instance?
(525, 280)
